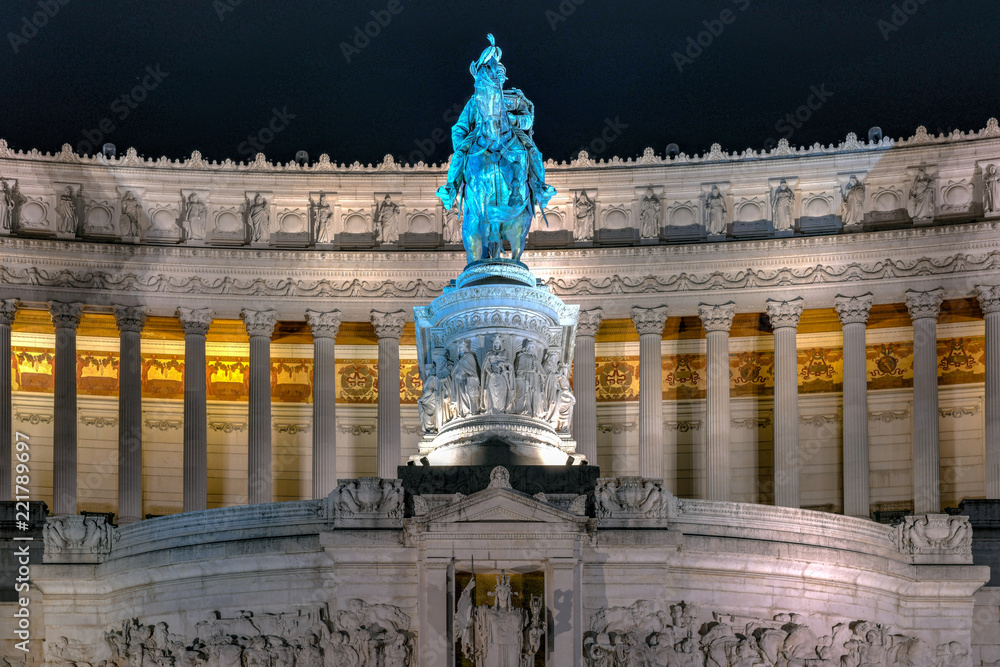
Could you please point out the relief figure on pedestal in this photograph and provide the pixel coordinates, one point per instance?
(9, 200)
(321, 219)
(528, 398)
(649, 215)
(498, 379)
(852, 210)
(921, 204)
(781, 204)
(195, 213)
(131, 214)
(465, 383)
(430, 402)
(585, 214)
(258, 219)
(387, 220)
(494, 636)
(715, 212)
(66, 211)
(991, 189)
(564, 413)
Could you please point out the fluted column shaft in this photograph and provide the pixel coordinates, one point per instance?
(130, 322)
(585, 384)
(717, 320)
(66, 318)
(924, 308)
(649, 323)
(195, 324)
(388, 328)
(853, 312)
(784, 317)
(989, 300)
(324, 459)
(8, 309)
(260, 478)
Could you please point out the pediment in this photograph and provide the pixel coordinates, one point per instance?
(500, 506)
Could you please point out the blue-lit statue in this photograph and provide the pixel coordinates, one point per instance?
(496, 171)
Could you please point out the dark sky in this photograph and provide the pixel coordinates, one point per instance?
(230, 64)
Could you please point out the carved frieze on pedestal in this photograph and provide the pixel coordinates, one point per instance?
(627, 501)
(76, 538)
(935, 539)
(367, 502)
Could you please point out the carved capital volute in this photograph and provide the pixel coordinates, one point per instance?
(130, 318)
(717, 318)
(853, 309)
(784, 314)
(924, 304)
(8, 310)
(195, 321)
(259, 322)
(649, 320)
(989, 298)
(388, 325)
(323, 325)
(65, 315)
(589, 322)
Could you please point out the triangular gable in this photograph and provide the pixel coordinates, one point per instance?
(499, 505)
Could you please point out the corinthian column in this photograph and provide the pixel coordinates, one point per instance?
(585, 384)
(324, 328)
(717, 320)
(195, 324)
(66, 318)
(260, 327)
(388, 328)
(853, 313)
(924, 308)
(649, 323)
(784, 317)
(989, 301)
(130, 322)
(8, 309)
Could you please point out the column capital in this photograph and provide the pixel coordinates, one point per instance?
(589, 322)
(649, 320)
(65, 315)
(388, 325)
(323, 325)
(784, 314)
(717, 317)
(259, 322)
(8, 309)
(130, 318)
(924, 304)
(195, 321)
(853, 309)
(989, 298)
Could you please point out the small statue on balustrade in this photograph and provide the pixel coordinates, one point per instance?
(195, 214)
(852, 210)
(586, 211)
(991, 189)
(921, 203)
(67, 210)
(782, 202)
(131, 214)
(387, 221)
(258, 219)
(715, 212)
(321, 219)
(649, 215)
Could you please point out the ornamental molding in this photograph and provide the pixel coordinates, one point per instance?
(683, 426)
(75, 538)
(8, 310)
(388, 325)
(717, 317)
(33, 418)
(130, 318)
(259, 322)
(291, 429)
(751, 423)
(819, 420)
(853, 309)
(66, 315)
(989, 298)
(163, 424)
(649, 320)
(227, 426)
(784, 314)
(355, 429)
(589, 322)
(195, 321)
(960, 411)
(99, 422)
(888, 416)
(323, 324)
(923, 305)
(617, 428)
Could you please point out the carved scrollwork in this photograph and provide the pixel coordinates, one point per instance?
(78, 539)
(366, 498)
(630, 498)
(934, 536)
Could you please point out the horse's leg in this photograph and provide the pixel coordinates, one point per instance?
(471, 238)
(518, 234)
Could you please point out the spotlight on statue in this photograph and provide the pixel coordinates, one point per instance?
(109, 151)
(673, 150)
(874, 134)
(302, 159)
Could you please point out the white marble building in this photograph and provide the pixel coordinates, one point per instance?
(755, 375)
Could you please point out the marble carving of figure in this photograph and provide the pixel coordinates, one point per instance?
(715, 212)
(921, 204)
(130, 215)
(497, 379)
(781, 205)
(450, 229)
(991, 189)
(258, 218)
(465, 384)
(430, 401)
(7, 204)
(567, 401)
(493, 636)
(852, 210)
(66, 211)
(528, 381)
(321, 219)
(649, 215)
(387, 220)
(195, 213)
(585, 212)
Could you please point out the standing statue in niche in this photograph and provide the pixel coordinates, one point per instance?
(430, 402)
(450, 231)
(921, 204)
(8, 203)
(258, 219)
(586, 212)
(387, 221)
(195, 214)
(66, 210)
(498, 379)
(465, 384)
(496, 171)
(567, 401)
(528, 381)
(321, 219)
(499, 635)
(991, 189)
(131, 213)
(715, 212)
(782, 202)
(852, 210)
(649, 215)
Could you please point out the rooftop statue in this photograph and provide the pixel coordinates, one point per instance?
(496, 172)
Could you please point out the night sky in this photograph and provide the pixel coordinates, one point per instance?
(171, 76)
